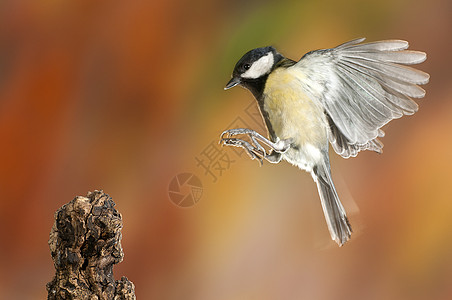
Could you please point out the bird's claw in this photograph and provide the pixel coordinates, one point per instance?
(255, 149)
(257, 153)
(251, 133)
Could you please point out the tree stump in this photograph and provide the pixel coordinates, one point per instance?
(85, 243)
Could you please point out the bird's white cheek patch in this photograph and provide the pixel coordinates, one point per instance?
(260, 67)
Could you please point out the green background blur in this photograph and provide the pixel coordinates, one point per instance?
(124, 95)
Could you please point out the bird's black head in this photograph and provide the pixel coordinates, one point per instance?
(254, 67)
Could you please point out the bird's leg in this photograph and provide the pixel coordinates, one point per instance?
(255, 150)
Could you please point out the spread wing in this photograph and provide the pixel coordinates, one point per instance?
(363, 86)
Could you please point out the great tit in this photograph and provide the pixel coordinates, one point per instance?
(342, 95)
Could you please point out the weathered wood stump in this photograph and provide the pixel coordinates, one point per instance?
(85, 243)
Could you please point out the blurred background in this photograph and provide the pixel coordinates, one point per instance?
(124, 95)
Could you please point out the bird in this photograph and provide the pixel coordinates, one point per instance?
(341, 96)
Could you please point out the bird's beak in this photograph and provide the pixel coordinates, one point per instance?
(232, 83)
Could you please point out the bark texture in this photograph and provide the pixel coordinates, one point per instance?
(85, 243)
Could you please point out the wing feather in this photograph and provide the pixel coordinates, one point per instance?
(362, 87)
(403, 73)
(400, 100)
(351, 43)
(376, 95)
(407, 57)
(386, 45)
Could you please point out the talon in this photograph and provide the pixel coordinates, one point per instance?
(259, 158)
(254, 156)
(228, 141)
(236, 131)
(250, 154)
(223, 133)
(222, 141)
(261, 161)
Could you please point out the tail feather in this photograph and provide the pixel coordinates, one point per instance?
(335, 216)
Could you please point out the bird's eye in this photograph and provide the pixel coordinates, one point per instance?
(246, 66)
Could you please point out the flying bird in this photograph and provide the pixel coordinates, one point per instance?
(343, 96)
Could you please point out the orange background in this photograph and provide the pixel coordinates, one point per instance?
(124, 95)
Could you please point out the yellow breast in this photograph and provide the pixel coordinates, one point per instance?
(291, 112)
